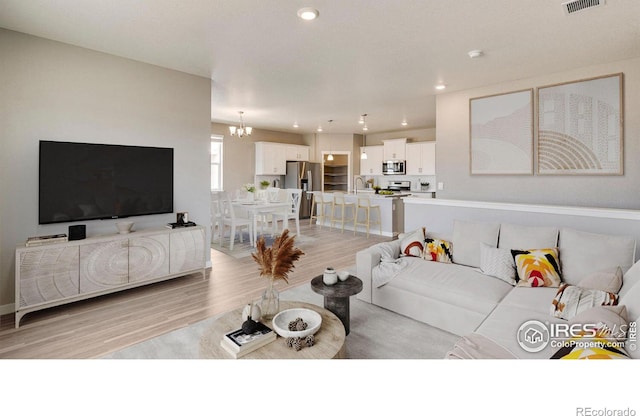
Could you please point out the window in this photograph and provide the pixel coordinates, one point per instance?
(216, 163)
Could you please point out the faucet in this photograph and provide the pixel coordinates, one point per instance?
(355, 184)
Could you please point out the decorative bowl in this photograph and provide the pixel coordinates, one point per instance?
(343, 275)
(124, 227)
(282, 319)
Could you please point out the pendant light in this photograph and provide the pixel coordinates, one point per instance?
(330, 157)
(363, 121)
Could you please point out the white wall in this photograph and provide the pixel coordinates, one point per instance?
(53, 91)
(452, 158)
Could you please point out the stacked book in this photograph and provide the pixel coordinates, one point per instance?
(237, 343)
(46, 239)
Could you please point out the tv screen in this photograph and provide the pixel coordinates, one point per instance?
(82, 181)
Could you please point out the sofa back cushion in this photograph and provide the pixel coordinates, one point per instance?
(583, 253)
(521, 237)
(630, 292)
(468, 238)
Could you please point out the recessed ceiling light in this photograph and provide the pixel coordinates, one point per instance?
(308, 13)
(476, 53)
(404, 122)
(319, 129)
(295, 125)
(440, 86)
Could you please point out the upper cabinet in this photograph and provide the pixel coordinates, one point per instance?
(421, 158)
(394, 149)
(298, 153)
(372, 165)
(271, 158)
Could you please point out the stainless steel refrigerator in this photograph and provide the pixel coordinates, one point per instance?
(306, 176)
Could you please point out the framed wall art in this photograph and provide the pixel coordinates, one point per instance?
(501, 134)
(580, 127)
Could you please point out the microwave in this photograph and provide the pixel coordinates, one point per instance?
(394, 167)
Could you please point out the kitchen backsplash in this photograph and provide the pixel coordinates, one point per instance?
(383, 180)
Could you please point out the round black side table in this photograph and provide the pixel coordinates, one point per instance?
(336, 297)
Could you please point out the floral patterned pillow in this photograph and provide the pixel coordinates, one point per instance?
(537, 268)
(437, 250)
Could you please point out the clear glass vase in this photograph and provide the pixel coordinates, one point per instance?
(270, 304)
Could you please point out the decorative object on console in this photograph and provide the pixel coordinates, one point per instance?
(437, 250)
(502, 134)
(537, 268)
(275, 263)
(46, 239)
(77, 232)
(124, 227)
(572, 300)
(182, 217)
(596, 148)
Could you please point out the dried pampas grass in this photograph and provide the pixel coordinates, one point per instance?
(277, 261)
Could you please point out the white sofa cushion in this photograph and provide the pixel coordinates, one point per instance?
(522, 237)
(450, 283)
(467, 238)
(609, 280)
(582, 253)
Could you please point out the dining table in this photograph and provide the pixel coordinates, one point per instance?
(256, 208)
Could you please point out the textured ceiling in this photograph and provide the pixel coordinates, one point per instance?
(379, 57)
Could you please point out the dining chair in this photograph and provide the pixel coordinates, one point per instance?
(217, 212)
(234, 222)
(294, 196)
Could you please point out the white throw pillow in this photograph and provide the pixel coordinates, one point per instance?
(498, 262)
(467, 237)
(609, 280)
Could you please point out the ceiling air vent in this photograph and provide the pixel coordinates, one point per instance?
(575, 6)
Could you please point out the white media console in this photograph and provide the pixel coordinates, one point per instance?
(59, 273)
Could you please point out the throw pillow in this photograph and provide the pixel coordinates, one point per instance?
(413, 243)
(537, 268)
(609, 280)
(610, 321)
(498, 262)
(590, 348)
(572, 300)
(437, 250)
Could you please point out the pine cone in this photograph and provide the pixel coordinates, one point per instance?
(301, 325)
(293, 324)
(290, 342)
(310, 340)
(297, 344)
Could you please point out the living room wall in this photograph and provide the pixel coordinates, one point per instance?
(452, 134)
(54, 91)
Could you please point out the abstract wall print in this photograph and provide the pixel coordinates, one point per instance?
(580, 127)
(502, 134)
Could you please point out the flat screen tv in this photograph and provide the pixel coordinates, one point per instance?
(83, 181)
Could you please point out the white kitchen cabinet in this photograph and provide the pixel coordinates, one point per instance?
(421, 158)
(271, 158)
(372, 165)
(394, 149)
(297, 153)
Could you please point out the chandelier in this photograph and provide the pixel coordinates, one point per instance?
(242, 129)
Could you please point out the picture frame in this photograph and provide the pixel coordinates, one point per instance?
(581, 127)
(501, 134)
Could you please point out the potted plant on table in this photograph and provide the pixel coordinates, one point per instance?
(275, 263)
(250, 188)
(264, 184)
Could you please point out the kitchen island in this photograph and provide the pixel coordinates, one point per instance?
(391, 212)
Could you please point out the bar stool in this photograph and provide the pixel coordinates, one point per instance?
(365, 204)
(317, 202)
(340, 203)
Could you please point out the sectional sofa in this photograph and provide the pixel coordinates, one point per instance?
(465, 283)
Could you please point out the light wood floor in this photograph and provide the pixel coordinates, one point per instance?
(96, 327)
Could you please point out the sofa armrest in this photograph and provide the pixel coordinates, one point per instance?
(369, 258)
